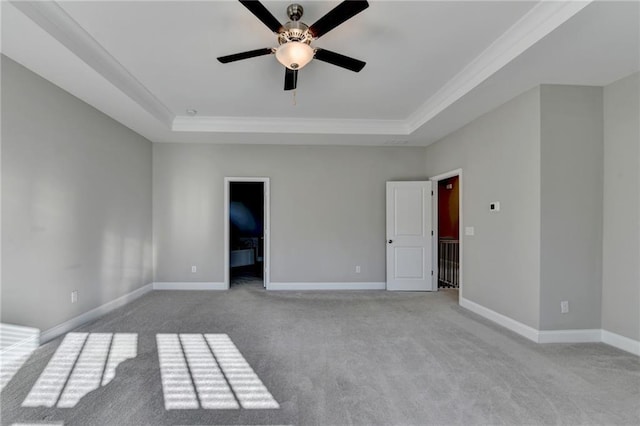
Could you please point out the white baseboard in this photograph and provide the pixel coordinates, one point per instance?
(95, 313)
(328, 286)
(621, 342)
(570, 336)
(189, 286)
(513, 325)
(554, 336)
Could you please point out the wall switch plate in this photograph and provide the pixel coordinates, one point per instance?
(357, 269)
(469, 230)
(495, 206)
(74, 296)
(194, 269)
(564, 307)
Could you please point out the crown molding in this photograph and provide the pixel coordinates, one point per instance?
(289, 125)
(56, 21)
(541, 20)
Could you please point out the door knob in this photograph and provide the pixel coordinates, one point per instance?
(390, 241)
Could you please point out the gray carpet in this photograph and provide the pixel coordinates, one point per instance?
(335, 358)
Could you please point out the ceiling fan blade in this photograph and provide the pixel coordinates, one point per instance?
(336, 16)
(263, 14)
(339, 60)
(290, 79)
(245, 55)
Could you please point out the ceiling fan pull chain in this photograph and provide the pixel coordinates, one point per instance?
(294, 102)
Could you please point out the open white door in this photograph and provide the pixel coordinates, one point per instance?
(409, 236)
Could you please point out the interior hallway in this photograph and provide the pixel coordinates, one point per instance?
(347, 358)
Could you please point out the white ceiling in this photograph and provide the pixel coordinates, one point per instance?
(431, 66)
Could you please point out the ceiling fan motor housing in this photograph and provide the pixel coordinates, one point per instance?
(295, 31)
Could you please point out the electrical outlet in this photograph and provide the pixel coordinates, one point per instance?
(357, 269)
(74, 296)
(194, 269)
(564, 307)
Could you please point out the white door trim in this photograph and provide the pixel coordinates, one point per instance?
(267, 226)
(435, 180)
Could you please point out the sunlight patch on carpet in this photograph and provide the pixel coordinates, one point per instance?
(208, 371)
(82, 363)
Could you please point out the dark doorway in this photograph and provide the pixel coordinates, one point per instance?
(449, 233)
(246, 232)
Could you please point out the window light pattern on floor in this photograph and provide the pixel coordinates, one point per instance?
(88, 370)
(16, 345)
(208, 371)
(82, 363)
(213, 390)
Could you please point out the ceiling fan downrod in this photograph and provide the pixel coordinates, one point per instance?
(295, 12)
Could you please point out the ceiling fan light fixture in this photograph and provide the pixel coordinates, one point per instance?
(294, 54)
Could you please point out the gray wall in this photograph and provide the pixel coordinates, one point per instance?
(571, 206)
(621, 268)
(500, 157)
(327, 208)
(76, 203)
(541, 155)
(77, 206)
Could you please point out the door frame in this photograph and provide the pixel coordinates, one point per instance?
(266, 229)
(434, 206)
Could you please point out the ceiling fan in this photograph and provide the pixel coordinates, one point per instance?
(295, 37)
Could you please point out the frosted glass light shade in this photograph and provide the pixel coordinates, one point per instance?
(294, 55)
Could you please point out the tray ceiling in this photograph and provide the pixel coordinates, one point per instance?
(146, 63)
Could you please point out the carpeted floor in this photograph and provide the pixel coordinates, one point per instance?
(335, 358)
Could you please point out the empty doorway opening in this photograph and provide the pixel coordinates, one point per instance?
(449, 233)
(246, 232)
(448, 259)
